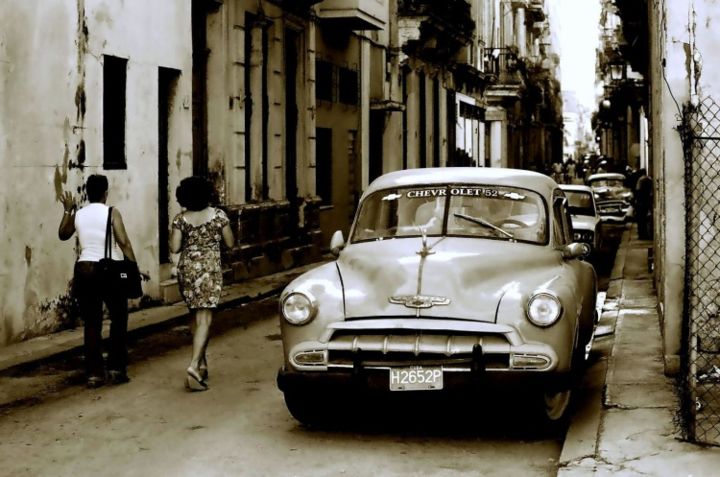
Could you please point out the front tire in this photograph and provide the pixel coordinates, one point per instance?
(306, 410)
(556, 403)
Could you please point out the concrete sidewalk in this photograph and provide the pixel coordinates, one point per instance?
(629, 426)
(44, 347)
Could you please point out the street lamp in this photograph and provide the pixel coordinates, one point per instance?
(617, 71)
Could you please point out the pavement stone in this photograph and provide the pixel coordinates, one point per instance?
(635, 419)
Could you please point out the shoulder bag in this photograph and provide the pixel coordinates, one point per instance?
(121, 275)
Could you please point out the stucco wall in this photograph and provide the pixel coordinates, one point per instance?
(670, 82)
(51, 54)
(672, 31)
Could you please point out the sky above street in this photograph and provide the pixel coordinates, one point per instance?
(578, 33)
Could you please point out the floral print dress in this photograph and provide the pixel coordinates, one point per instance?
(199, 267)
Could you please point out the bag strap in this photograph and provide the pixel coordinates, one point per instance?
(108, 235)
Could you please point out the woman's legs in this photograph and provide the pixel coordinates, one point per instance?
(117, 352)
(201, 334)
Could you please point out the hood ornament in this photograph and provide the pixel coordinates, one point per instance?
(419, 301)
(424, 250)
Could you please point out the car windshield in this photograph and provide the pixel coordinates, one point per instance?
(607, 183)
(580, 202)
(497, 212)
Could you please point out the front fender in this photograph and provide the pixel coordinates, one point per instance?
(561, 335)
(325, 286)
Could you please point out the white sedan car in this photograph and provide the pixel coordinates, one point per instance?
(586, 222)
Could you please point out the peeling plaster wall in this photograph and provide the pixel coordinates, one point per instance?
(51, 87)
(707, 43)
(683, 41)
(670, 84)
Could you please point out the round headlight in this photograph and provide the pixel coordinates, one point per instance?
(298, 308)
(544, 309)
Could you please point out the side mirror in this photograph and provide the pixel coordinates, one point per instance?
(575, 250)
(337, 242)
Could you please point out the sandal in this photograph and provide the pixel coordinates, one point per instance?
(203, 369)
(194, 381)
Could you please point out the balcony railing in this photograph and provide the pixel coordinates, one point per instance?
(436, 29)
(497, 61)
(453, 16)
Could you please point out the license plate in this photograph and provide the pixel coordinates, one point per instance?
(416, 378)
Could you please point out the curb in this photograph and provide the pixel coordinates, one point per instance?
(146, 320)
(579, 450)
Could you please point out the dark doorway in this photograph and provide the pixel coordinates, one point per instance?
(291, 115)
(423, 121)
(199, 88)
(404, 88)
(248, 106)
(452, 127)
(436, 123)
(323, 164)
(377, 127)
(167, 83)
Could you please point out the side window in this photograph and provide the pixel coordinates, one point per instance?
(562, 226)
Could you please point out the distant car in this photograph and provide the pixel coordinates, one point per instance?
(612, 197)
(452, 278)
(587, 226)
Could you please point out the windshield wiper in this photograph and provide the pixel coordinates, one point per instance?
(481, 221)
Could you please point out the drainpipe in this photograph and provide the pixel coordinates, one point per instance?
(364, 112)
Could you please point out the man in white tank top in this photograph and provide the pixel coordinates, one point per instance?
(90, 222)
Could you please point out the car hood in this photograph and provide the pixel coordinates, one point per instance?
(584, 222)
(467, 278)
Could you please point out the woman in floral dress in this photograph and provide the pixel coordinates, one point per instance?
(197, 233)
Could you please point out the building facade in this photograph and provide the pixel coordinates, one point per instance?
(290, 107)
(82, 93)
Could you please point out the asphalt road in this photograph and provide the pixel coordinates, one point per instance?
(153, 426)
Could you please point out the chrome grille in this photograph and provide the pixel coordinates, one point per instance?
(412, 348)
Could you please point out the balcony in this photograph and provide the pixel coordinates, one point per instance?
(504, 64)
(435, 29)
(354, 14)
(536, 10)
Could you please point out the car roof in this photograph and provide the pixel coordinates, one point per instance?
(576, 188)
(465, 175)
(606, 175)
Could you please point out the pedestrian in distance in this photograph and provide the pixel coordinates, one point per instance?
(90, 290)
(557, 172)
(197, 233)
(570, 172)
(643, 204)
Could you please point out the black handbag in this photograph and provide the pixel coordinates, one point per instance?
(120, 275)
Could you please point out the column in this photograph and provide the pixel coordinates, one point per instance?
(521, 32)
(496, 143)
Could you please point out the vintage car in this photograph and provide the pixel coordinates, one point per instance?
(587, 226)
(451, 278)
(612, 197)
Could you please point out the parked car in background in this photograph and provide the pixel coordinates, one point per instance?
(451, 278)
(587, 226)
(612, 196)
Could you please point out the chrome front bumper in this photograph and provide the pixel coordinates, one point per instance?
(456, 346)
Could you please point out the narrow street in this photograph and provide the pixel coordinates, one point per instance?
(153, 426)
